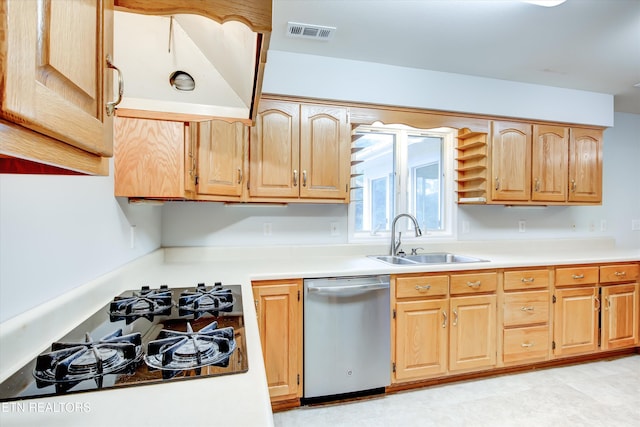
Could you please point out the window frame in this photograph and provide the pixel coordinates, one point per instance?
(402, 181)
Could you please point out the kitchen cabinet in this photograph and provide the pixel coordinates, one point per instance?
(154, 158)
(56, 85)
(510, 165)
(165, 159)
(299, 152)
(433, 334)
(549, 163)
(620, 305)
(221, 158)
(530, 164)
(472, 338)
(596, 308)
(279, 311)
(526, 316)
(420, 326)
(585, 165)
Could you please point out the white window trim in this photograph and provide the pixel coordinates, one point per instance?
(401, 183)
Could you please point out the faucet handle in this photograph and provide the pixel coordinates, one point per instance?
(414, 251)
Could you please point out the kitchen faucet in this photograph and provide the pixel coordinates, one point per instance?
(395, 245)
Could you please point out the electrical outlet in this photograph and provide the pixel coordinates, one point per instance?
(522, 226)
(592, 226)
(335, 231)
(635, 224)
(603, 225)
(266, 228)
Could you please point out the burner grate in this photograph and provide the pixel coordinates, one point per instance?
(176, 351)
(205, 300)
(146, 303)
(68, 363)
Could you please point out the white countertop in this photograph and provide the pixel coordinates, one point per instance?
(240, 399)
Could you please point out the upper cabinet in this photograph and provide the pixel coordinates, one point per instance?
(299, 152)
(530, 164)
(56, 86)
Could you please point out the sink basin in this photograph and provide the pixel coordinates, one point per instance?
(428, 258)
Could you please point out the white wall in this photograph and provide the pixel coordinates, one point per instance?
(289, 73)
(214, 224)
(59, 232)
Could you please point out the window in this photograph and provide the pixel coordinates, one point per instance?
(401, 170)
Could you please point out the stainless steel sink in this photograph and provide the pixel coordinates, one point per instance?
(428, 258)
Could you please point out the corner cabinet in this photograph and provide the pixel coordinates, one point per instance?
(596, 308)
(299, 152)
(56, 85)
(279, 310)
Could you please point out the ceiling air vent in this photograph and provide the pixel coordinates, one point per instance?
(307, 31)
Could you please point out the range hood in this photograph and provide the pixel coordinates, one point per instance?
(224, 60)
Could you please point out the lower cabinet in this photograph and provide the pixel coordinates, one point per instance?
(620, 316)
(433, 334)
(279, 310)
(600, 313)
(472, 342)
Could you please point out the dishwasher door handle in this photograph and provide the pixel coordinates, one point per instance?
(348, 288)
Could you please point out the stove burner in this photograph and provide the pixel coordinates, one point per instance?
(146, 303)
(69, 363)
(176, 351)
(203, 300)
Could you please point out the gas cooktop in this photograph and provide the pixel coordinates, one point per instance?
(145, 336)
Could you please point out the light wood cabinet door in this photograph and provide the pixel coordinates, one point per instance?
(220, 158)
(511, 161)
(421, 344)
(549, 163)
(324, 152)
(154, 158)
(472, 340)
(274, 150)
(620, 316)
(576, 321)
(55, 78)
(585, 165)
(279, 311)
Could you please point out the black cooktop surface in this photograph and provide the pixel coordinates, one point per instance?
(141, 337)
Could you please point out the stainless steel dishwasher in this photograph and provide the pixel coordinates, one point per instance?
(346, 335)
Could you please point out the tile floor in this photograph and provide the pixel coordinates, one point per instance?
(604, 394)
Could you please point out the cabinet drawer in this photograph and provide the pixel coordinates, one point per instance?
(526, 279)
(526, 308)
(421, 286)
(575, 276)
(473, 283)
(526, 343)
(619, 273)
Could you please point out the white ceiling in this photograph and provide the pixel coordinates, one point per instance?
(591, 45)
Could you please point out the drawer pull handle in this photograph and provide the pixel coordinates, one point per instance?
(620, 273)
(578, 276)
(607, 305)
(530, 308)
(423, 288)
(527, 280)
(527, 345)
(444, 319)
(475, 284)
(455, 318)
